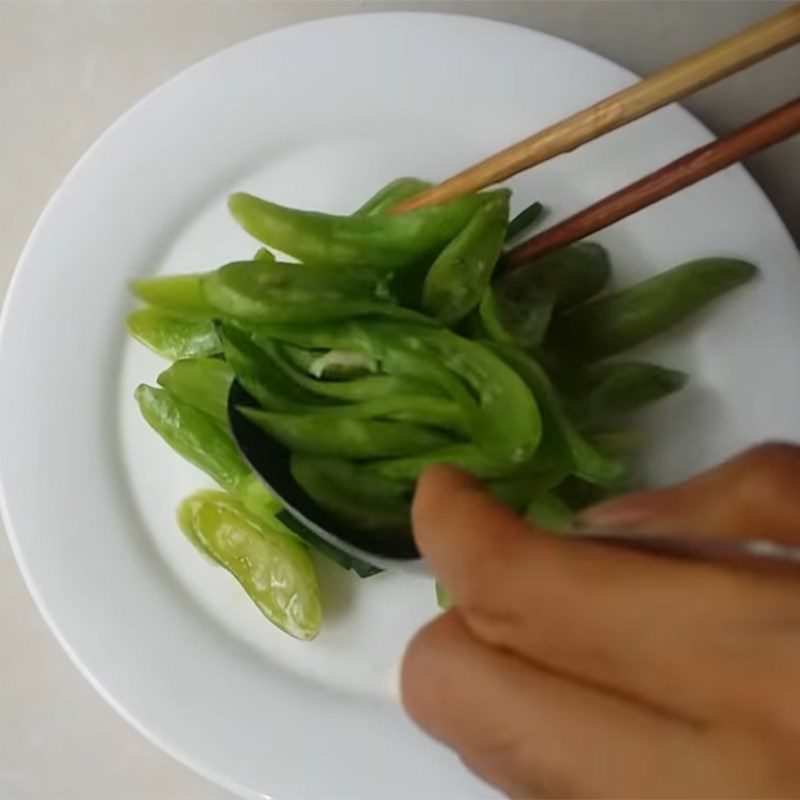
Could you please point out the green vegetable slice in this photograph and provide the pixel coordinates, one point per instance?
(273, 567)
(377, 243)
(612, 390)
(181, 295)
(561, 437)
(459, 276)
(172, 336)
(615, 322)
(390, 195)
(203, 383)
(345, 436)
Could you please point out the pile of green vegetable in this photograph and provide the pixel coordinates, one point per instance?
(394, 344)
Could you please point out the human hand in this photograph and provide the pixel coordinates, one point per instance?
(568, 669)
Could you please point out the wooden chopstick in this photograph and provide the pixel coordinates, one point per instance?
(693, 167)
(671, 83)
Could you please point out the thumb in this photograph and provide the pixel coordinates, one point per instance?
(460, 529)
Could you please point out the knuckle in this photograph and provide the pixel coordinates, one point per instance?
(773, 452)
(492, 765)
(423, 671)
(495, 627)
(487, 597)
(767, 468)
(550, 777)
(488, 572)
(513, 577)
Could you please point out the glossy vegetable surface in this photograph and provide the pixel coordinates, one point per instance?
(519, 307)
(390, 195)
(611, 390)
(376, 242)
(272, 566)
(395, 344)
(274, 292)
(201, 382)
(458, 278)
(618, 321)
(199, 438)
(181, 295)
(172, 336)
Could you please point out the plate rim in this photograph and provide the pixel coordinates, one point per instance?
(15, 541)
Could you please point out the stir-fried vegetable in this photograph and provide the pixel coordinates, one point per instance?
(270, 564)
(395, 344)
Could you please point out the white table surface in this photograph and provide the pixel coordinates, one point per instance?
(67, 70)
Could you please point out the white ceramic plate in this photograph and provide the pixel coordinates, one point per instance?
(318, 115)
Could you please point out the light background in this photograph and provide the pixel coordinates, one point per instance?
(67, 70)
